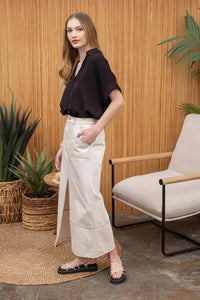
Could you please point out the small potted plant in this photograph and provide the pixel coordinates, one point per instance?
(14, 137)
(39, 202)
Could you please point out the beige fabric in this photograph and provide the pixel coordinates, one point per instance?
(91, 231)
(182, 199)
(145, 193)
(65, 227)
(186, 156)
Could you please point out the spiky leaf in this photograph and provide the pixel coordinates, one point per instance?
(14, 137)
(32, 174)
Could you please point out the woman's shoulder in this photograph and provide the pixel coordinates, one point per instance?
(96, 56)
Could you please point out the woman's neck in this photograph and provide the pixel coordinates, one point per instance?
(82, 53)
(82, 56)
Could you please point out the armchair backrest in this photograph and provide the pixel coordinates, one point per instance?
(186, 155)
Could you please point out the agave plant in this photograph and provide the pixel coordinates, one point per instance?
(189, 46)
(14, 137)
(32, 174)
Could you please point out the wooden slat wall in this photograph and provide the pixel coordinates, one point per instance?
(31, 35)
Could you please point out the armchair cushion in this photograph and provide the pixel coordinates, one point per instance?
(186, 156)
(144, 193)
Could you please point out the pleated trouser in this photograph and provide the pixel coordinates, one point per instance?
(91, 231)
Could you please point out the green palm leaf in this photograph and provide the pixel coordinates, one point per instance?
(189, 43)
(172, 39)
(194, 57)
(187, 53)
(188, 108)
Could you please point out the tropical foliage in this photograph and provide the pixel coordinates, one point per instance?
(32, 174)
(189, 46)
(14, 137)
(188, 108)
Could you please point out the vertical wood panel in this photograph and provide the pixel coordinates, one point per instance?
(31, 36)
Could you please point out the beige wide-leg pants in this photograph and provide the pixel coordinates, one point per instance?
(91, 231)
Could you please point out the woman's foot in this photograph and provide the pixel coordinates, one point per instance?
(117, 272)
(79, 264)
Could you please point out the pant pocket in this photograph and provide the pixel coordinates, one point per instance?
(79, 148)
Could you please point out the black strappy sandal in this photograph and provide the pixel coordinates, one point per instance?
(120, 279)
(79, 268)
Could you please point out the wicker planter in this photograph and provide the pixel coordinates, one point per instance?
(11, 201)
(39, 213)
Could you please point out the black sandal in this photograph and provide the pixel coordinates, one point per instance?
(79, 268)
(120, 279)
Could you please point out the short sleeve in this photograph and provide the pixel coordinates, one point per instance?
(106, 79)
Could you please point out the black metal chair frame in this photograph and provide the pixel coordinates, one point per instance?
(161, 224)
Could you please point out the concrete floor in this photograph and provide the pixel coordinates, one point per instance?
(150, 275)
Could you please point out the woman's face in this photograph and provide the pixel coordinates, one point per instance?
(76, 34)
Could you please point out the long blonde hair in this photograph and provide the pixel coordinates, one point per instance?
(70, 54)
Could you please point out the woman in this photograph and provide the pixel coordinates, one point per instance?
(91, 99)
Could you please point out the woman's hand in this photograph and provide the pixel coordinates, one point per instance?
(58, 158)
(88, 135)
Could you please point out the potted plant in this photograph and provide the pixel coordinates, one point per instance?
(14, 137)
(189, 46)
(39, 203)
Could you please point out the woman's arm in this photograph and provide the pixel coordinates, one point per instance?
(58, 158)
(117, 101)
(89, 135)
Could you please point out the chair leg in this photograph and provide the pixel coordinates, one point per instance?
(124, 225)
(164, 229)
(163, 241)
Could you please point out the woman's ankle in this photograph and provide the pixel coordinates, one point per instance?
(86, 260)
(114, 256)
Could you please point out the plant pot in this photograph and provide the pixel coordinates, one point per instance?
(39, 213)
(11, 201)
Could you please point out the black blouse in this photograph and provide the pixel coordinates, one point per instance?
(87, 94)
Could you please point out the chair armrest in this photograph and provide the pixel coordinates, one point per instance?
(115, 161)
(182, 178)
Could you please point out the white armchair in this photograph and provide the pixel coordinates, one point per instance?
(167, 195)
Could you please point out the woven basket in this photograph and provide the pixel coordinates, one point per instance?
(11, 201)
(39, 213)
